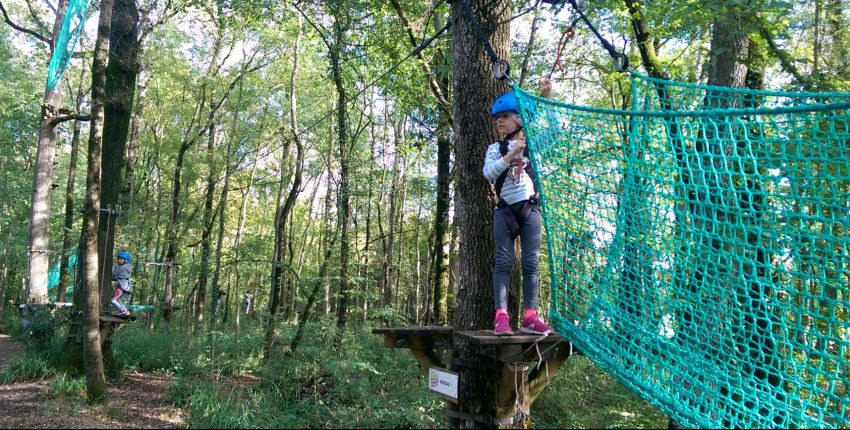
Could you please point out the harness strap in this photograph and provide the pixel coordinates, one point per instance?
(513, 220)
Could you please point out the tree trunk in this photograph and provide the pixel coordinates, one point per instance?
(64, 271)
(389, 243)
(237, 246)
(344, 202)
(474, 84)
(39, 232)
(207, 226)
(92, 354)
(120, 89)
(222, 207)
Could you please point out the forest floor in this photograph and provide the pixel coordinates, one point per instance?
(138, 400)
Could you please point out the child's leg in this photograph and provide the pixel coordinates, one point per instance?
(115, 302)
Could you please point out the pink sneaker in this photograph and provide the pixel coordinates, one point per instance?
(532, 324)
(503, 325)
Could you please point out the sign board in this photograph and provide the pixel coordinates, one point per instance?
(444, 383)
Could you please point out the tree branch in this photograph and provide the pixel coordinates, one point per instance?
(22, 29)
(60, 119)
(42, 27)
(784, 59)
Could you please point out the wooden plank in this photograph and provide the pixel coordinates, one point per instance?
(486, 337)
(415, 330)
(116, 320)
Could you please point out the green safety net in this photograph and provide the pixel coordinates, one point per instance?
(55, 273)
(699, 247)
(72, 26)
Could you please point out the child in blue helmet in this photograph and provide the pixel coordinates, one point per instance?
(121, 276)
(517, 214)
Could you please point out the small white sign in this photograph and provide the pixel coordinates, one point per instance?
(443, 382)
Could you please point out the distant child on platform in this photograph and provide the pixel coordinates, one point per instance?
(121, 276)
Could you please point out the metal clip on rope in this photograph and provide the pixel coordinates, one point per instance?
(501, 69)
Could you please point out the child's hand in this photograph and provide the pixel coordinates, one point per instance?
(519, 146)
(545, 88)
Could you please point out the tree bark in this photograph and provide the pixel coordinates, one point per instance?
(120, 91)
(92, 354)
(64, 271)
(344, 202)
(39, 232)
(206, 232)
(474, 84)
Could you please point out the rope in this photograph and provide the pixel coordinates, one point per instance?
(621, 60)
(501, 68)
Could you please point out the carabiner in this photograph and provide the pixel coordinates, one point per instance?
(621, 61)
(501, 69)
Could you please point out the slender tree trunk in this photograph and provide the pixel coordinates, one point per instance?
(39, 232)
(64, 271)
(389, 244)
(344, 202)
(325, 239)
(305, 316)
(92, 355)
(207, 226)
(237, 246)
(222, 207)
(3, 275)
(278, 256)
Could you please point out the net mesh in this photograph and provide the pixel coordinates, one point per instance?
(699, 248)
(72, 26)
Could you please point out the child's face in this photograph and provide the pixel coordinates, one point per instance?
(505, 123)
(121, 261)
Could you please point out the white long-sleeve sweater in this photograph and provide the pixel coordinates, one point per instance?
(513, 190)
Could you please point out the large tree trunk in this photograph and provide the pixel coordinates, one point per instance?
(120, 90)
(39, 232)
(475, 86)
(92, 355)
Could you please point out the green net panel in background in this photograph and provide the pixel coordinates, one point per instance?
(72, 26)
(699, 247)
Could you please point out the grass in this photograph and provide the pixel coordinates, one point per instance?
(334, 380)
(346, 380)
(68, 386)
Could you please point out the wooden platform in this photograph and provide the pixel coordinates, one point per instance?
(431, 345)
(116, 320)
(521, 364)
(439, 337)
(517, 347)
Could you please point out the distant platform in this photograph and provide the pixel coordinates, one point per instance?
(116, 320)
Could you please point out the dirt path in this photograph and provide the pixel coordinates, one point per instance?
(140, 400)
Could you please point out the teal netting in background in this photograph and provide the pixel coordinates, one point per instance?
(55, 271)
(72, 26)
(699, 247)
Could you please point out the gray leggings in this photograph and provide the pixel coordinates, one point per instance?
(530, 235)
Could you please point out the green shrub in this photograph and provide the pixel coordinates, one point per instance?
(68, 386)
(27, 367)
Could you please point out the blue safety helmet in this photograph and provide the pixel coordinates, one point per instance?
(125, 255)
(508, 103)
(505, 103)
